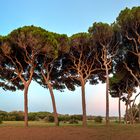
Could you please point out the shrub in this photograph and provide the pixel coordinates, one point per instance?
(76, 117)
(98, 119)
(16, 116)
(31, 116)
(64, 118)
(11, 118)
(49, 118)
(73, 121)
(0, 121)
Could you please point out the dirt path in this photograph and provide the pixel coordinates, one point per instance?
(63, 133)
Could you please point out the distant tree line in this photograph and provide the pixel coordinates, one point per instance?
(56, 61)
(37, 116)
(19, 116)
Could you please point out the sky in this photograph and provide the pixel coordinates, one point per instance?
(66, 17)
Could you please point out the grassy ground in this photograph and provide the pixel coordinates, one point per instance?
(40, 130)
(42, 123)
(45, 124)
(91, 124)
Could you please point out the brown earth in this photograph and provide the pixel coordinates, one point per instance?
(65, 133)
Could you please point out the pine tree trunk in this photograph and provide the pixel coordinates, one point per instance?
(131, 114)
(26, 106)
(83, 103)
(139, 113)
(107, 96)
(126, 114)
(54, 105)
(119, 109)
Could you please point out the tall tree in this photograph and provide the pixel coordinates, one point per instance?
(49, 73)
(107, 42)
(122, 85)
(81, 63)
(119, 86)
(115, 91)
(21, 48)
(129, 23)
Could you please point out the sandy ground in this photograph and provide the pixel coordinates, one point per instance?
(63, 133)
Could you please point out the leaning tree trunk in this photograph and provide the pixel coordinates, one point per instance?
(83, 103)
(107, 96)
(26, 106)
(53, 104)
(119, 109)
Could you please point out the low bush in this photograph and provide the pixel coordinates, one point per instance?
(98, 119)
(49, 118)
(73, 121)
(0, 121)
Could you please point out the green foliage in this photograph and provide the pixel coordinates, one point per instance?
(117, 77)
(12, 116)
(36, 38)
(73, 121)
(79, 37)
(16, 115)
(49, 118)
(1, 121)
(19, 116)
(128, 17)
(98, 119)
(35, 116)
(76, 117)
(67, 118)
(64, 118)
(101, 32)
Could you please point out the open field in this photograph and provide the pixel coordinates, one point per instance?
(44, 131)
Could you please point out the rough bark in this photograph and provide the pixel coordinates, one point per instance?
(26, 106)
(107, 96)
(139, 114)
(83, 103)
(131, 114)
(26, 87)
(46, 78)
(126, 113)
(119, 108)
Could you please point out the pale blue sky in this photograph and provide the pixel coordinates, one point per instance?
(61, 16)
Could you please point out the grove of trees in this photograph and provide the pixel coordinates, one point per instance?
(56, 61)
